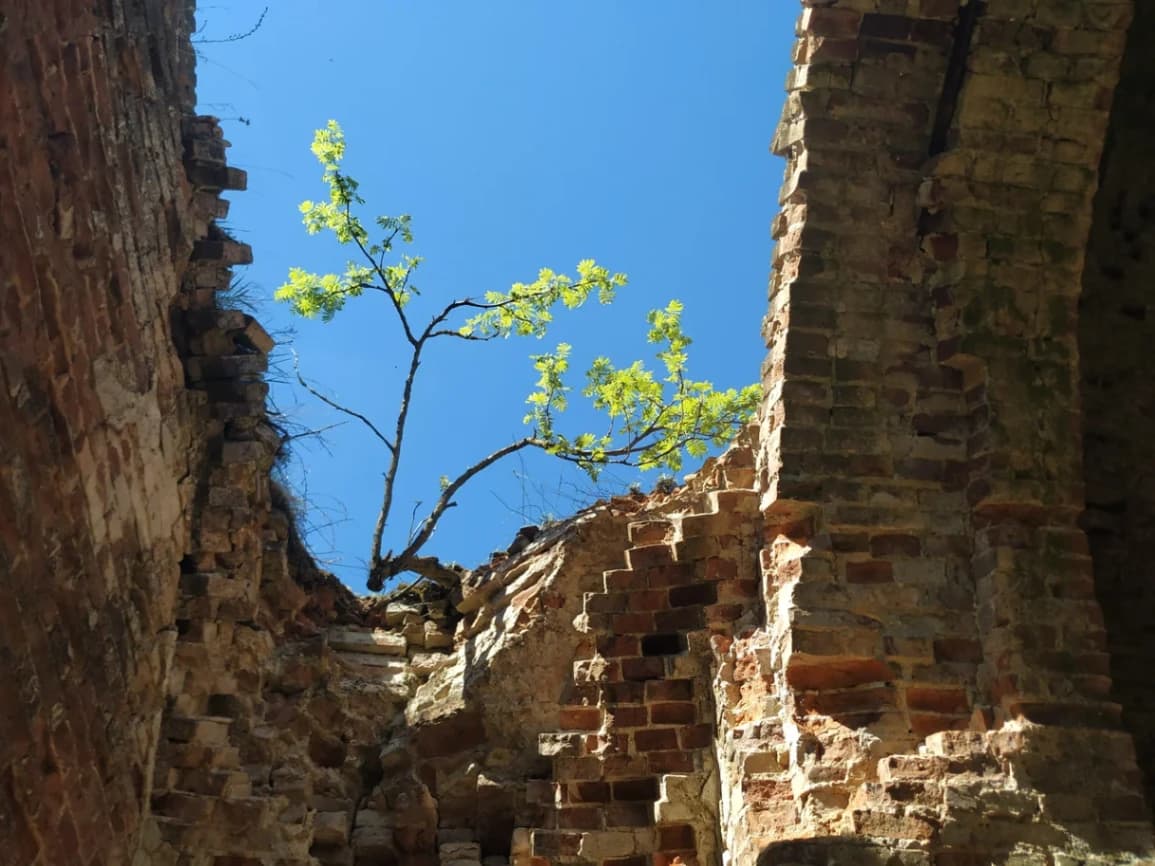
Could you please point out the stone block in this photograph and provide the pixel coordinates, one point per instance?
(375, 641)
(606, 844)
(459, 850)
(331, 828)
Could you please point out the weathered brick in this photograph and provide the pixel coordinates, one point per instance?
(669, 690)
(695, 736)
(695, 593)
(579, 718)
(616, 646)
(655, 740)
(869, 571)
(629, 716)
(638, 669)
(680, 713)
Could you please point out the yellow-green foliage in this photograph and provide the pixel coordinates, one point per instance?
(651, 422)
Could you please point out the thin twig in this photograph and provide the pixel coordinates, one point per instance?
(236, 37)
(334, 404)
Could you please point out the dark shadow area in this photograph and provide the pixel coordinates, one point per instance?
(1116, 334)
(851, 851)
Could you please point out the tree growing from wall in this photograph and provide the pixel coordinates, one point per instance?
(651, 422)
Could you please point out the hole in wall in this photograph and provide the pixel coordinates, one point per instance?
(663, 644)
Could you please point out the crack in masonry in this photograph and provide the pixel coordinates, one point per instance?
(952, 85)
(955, 75)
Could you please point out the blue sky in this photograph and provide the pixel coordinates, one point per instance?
(518, 135)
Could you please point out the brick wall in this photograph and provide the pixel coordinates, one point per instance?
(874, 636)
(865, 441)
(97, 224)
(635, 780)
(921, 464)
(1116, 329)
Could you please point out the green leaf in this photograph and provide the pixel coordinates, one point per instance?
(527, 309)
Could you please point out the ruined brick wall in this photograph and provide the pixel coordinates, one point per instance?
(97, 224)
(877, 632)
(922, 459)
(1116, 332)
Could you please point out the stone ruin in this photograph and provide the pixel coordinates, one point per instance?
(906, 619)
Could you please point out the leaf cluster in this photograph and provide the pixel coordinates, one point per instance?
(651, 420)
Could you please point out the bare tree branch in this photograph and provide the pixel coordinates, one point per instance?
(335, 405)
(385, 567)
(236, 37)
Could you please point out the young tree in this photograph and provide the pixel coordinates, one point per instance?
(651, 422)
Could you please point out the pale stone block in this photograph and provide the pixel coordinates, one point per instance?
(376, 641)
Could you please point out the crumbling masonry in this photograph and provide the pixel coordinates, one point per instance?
(907, 619)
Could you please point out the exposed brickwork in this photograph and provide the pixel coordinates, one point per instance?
(921, 464)
(634, 776)
(875, 632)
(98, 430)
(865, 465)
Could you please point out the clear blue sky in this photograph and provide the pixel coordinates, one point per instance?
(518, 135)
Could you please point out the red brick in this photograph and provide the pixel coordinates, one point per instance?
(717, 568)
(739, 590)
(682, 619)
(652, 668)
(617, 646)
(605, 602)
(950, 699)
(672, 837)
(696, 736)
(656, 740)
(925, 724)
(625, 693)
(589, 792)
(624, 580)
(612, 672)
(648, 599)
(856, 700)
(870, 571)
(579, 718)
(673, 713)
(670, 762)
(694, 593)
(676, 574)
(629, 716)
(624, 766)
(723, 613)
(633, 623)
(649, 556)
(669, 690)
(838, 674)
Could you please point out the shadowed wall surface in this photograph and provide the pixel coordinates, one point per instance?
(1116, 329)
